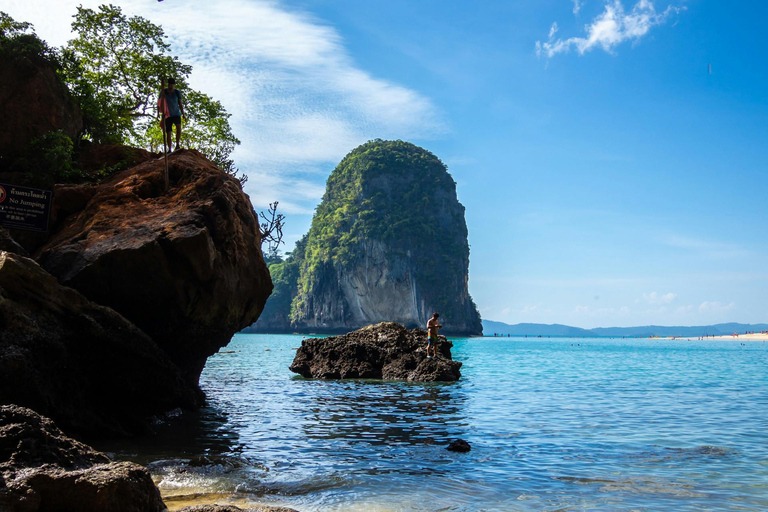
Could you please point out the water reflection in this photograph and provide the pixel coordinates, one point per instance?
(191, 435)
(378, 413)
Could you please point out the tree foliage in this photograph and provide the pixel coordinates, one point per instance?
(115, 66)
(18, 42)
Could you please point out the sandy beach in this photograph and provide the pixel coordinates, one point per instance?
(735, 337)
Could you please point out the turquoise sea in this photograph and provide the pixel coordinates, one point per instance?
(555, 424)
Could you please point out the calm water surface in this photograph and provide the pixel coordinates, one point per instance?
(554, 424)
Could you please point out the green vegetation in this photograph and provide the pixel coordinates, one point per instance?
(18, 43)
(113, 68)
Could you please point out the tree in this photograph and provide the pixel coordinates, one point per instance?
(115, 65)
(18, 41)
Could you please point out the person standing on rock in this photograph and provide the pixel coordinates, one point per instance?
(171, 108)
(432, 326)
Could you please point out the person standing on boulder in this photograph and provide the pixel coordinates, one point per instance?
(171, 109)
(432, 326)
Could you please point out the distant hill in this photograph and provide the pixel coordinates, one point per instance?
(490, 327)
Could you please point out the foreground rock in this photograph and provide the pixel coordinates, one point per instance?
(386, 351)
(83, 364)
(43, 470)
(184, 265)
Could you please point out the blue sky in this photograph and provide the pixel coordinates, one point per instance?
(609, 178)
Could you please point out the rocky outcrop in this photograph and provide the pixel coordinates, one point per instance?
(388, 243)
(81, 363)
(386, 351)
(42, 470)
(184, 265)
(33, 101)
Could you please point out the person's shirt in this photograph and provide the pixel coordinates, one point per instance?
(173, 98)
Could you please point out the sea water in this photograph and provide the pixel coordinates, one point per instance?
(554, 424)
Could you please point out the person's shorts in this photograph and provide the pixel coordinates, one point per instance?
(431, 340)
(170, 121)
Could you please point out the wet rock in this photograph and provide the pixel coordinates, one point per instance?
(83, 364)
(184, 265)
(459, 445)
(386, 351)
(43, 470)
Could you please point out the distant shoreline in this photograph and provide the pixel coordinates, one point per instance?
(733, 337)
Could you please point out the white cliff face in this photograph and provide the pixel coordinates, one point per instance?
(381, 286)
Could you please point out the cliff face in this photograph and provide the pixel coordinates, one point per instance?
(388, 243)
(33, 101)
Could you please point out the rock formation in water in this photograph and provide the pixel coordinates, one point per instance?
(43, 470)
(386, 351)
(388, 243)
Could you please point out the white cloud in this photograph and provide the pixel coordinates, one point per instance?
(553, 30)
(577, 5)
(298, 101)
(716, 307)
(656, 298)
(707, 248)
(611, 28)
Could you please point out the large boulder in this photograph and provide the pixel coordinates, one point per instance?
(386, 351)
(42, 470)
(184, 264)
(78, 362)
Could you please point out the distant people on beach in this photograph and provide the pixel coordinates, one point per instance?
(432, 326)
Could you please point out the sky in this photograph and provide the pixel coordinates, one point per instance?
(612, 156)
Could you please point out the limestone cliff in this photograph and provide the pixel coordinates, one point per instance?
(388, 243)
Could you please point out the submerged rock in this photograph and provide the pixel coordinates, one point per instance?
(185, 265)
(386, 351)
(459, 445)
(81, 363)
(43, 470)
